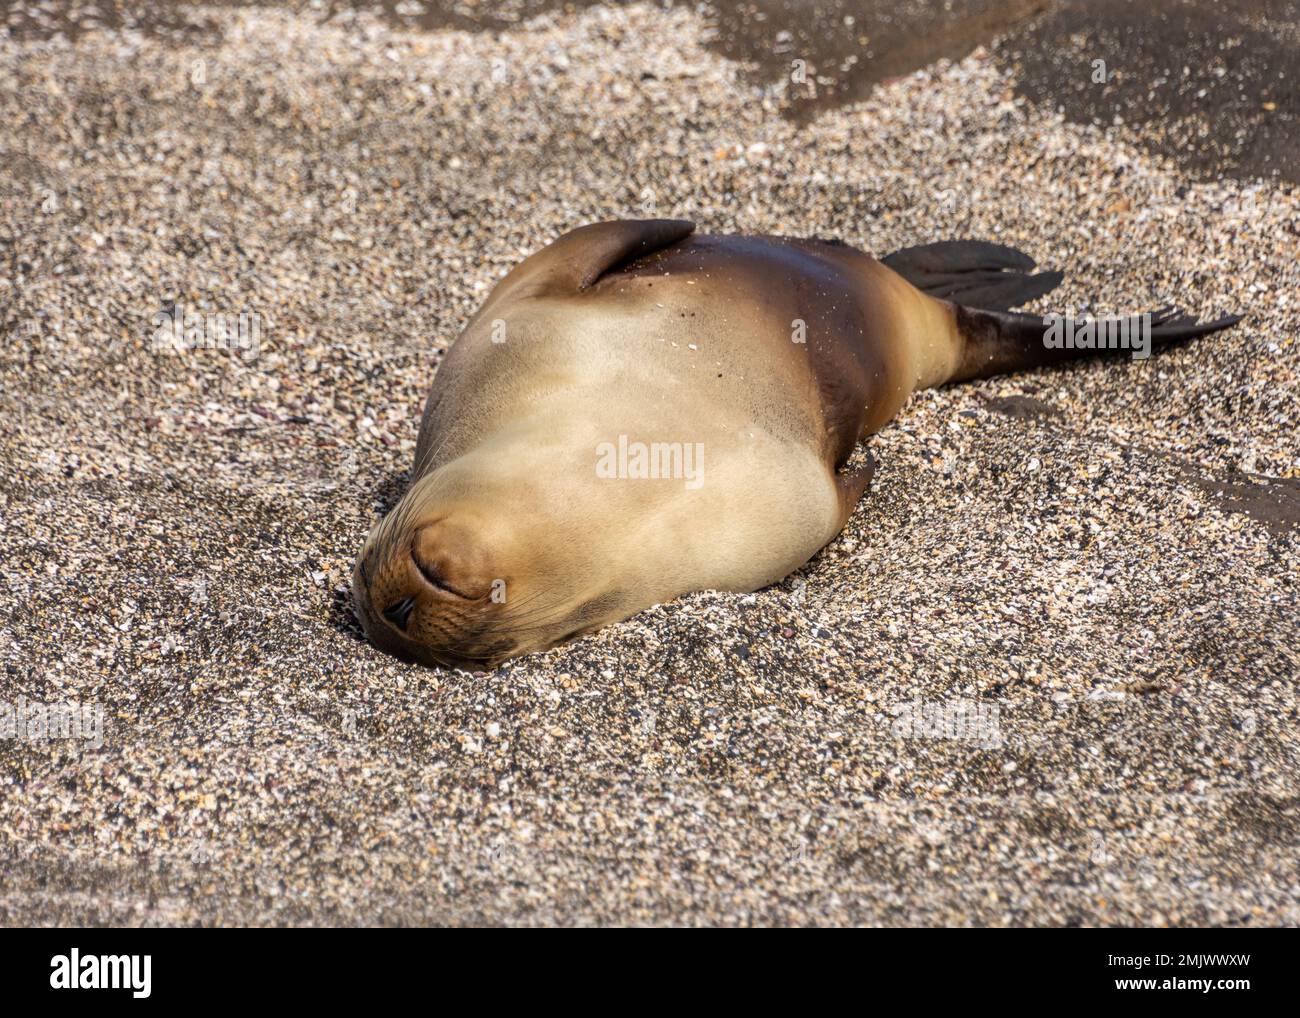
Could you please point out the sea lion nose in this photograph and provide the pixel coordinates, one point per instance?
(399, 614)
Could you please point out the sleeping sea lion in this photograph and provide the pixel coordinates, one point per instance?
(638, 411)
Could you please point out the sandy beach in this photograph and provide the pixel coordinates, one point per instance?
(1046, 676)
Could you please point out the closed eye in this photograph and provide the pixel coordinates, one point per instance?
(435, 579)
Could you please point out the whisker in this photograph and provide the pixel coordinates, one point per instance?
(538, 622)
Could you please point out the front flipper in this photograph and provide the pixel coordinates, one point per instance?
(580, 257)
(852, 484)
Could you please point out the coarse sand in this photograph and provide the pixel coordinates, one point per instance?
(1047, 675)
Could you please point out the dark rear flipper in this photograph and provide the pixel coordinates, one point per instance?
(975, 273)
(998, 342)
(985, 280)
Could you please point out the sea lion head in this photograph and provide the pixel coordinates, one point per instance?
(461, 576)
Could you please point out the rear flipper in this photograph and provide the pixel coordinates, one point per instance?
(984, 280)
(998, 342)
(975, 273)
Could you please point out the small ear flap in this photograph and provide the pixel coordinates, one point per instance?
(580, 257)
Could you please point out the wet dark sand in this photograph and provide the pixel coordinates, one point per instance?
(1208, 80)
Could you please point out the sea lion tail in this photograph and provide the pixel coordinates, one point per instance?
(998, 342)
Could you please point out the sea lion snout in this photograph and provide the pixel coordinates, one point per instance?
(399, 613)
(428, 591)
